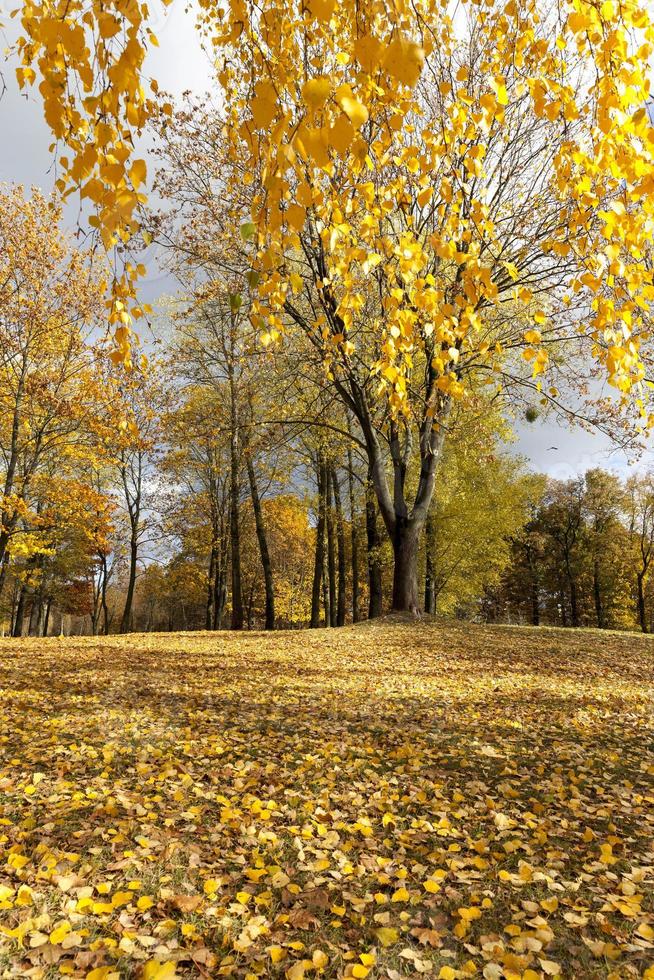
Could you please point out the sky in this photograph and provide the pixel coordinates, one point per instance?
(179, 64)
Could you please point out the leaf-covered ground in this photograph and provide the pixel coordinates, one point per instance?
(384, 800)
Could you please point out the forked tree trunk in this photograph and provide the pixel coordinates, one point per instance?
(405, 568)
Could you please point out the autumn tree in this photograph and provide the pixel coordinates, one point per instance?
(50, 306)
(640, 514)
(439, 208)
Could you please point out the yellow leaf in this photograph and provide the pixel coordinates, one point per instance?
(447, 973)
(353, 108)
(121, 898)
(387, 935)
(499, 87)
(550, 967)
(137, 173)
(156, 970)
(359, 970)
(315, 91)
(321, 9)
(319, 959)
(401, 895)
(296, 217)
(144, 903)
(404, 60)
(58, 934)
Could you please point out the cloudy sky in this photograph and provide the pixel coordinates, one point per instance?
(179, 64)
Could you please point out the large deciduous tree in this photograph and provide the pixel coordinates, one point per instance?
(444, 207)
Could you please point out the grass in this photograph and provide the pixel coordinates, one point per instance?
(385, 800)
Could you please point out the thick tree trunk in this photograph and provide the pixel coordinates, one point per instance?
(320, 546)
(375, 594)
(642, 612)
(405, 569)
(354, 540)
(340, 551)
(430, 588)
(264, 551)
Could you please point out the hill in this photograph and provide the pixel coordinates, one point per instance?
(391, 799)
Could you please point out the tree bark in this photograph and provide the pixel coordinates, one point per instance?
(320, 546)
(375, 595)
(20, 613)
(125, 623)
(264, 551)
(405, 573)
(642, 612)
(234, 515)
(430, 571)
(46, 620)
(331, 549)
(597, 594)
(211, 587)
(340, 550)
(354, 539)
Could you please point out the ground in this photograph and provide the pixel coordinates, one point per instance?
(386, 800)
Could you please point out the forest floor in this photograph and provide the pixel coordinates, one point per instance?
(385, 800)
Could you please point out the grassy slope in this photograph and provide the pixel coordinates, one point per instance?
(445, 800)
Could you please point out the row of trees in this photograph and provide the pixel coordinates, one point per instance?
(432, 216)
(224, 484)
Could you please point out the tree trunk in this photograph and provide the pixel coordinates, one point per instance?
(405, 571)
(235, 536)
(211, 587)
(320, 546)
(430, 572)
(574, 610)
(20, 613)
(330, 613)
(264, 552)
(597, 593)
(340, 550)
(105, 605)
(125, 623)
(642, 613)
(46, 619)
(354, 543)
(374, 561)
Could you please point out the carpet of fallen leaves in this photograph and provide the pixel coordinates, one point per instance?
(386, 800)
